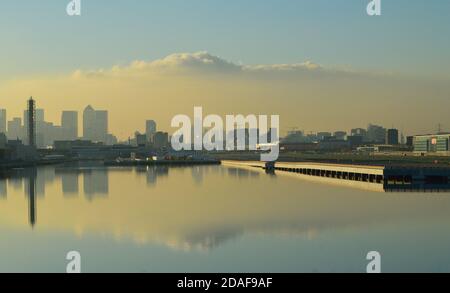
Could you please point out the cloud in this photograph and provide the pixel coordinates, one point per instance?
(199, 62)
(306, 66)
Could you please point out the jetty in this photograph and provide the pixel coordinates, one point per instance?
(391, 177)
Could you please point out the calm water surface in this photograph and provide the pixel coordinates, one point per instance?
(213, 219)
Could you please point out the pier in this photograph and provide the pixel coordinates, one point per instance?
(391, 177)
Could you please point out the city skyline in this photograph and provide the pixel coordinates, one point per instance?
(95, 128)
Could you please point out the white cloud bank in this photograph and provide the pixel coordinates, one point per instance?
(199, 62)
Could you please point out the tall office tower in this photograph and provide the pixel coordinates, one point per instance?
(15, 129)
(41, 132)
(89, 123)
(392, 137)
(95, 125)
(101, 123)
(31, 122)
(2, 121)
(376, 134)
(150, 129)
(69, 125)
(161, 140)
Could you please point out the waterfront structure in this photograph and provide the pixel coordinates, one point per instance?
(432, 143)
(392, 136)
(391, 177)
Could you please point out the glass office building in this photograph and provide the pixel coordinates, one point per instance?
(437, 143)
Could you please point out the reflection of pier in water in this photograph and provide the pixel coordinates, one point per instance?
(375, 178)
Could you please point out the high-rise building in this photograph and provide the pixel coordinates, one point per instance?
(40, 131)
(141, 139)
(89, 123)
(150, 129)
(2, 121)
(359, 132)
(15, 129)
(410, 141)
(95, 125)
(31, 122)
(376, 134)
(69, 125)
(392, 136)
(161, 140)
(101, 123)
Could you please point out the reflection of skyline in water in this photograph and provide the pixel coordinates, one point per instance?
(95, 183)
(3, 189)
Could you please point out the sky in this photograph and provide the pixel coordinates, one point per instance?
(158, 58)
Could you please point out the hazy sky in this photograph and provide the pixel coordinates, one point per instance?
(390, 69)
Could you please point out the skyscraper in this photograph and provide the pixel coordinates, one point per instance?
(15, 129)
(161, 140)
(40, 131)
(69, 125)
(89, 123)
(31, 122)
(2, 121)
(101, 122)
(392, 137)
(150, 129)
(376, 134)
(95, 125)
